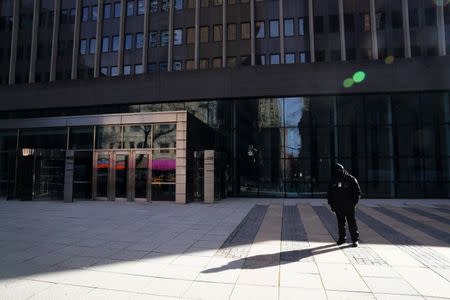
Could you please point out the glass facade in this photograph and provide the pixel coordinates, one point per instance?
(397, 145)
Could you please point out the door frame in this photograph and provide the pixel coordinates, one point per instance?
(94, 175)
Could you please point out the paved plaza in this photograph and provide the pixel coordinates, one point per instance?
(235, 249)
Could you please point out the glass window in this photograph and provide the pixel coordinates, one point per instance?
(8, 139)
(164, 136)
(128, 41)
(318, 24)
(289, 27)
(114, 71)
(190, 64)
(178, 37)
(115, 43)
(163, 166)
(275, 59)
(245, 31)
(430, 16)
(301, 26)
(322, 110)
(190, 3)
(217, 33)
(260, 59)
(153, 39)
(85, 14)
(274, 28)
(231, 32)
(164, 38)
(178, 4)
(302, 57)
(333, 23)
(204, 64)
(190, 35)
(81, 137)
(177, 65)
(83, 46)
(104, 71)
(92, 46)
(107, 11)
(117, 10)
(151, 67)
(163, 66)
(137, 136)
(217, 63)
(260, 31)
(413, 17)
(154, 6)
(43, 138)
(164, 5)
(349, 23)
(105, 44)
(397, 20)
(130, 8)
(138, 69)
(94, 12)
(231, 62)
(217, 2)
(141, 7)
(108, 137)
(289, 58)
(139, 40)
(204, 3)
(127, 70)
(204, 34)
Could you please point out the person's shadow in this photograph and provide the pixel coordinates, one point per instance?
(269, 260)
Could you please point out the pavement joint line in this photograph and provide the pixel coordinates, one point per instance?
(429, 215)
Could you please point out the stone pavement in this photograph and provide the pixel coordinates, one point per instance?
(235, 249)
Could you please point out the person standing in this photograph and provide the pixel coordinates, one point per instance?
(343, 195)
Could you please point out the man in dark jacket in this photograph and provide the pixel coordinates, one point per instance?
(343, 195)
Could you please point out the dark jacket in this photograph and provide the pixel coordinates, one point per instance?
(343, 192)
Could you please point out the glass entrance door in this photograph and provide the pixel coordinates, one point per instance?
(102, 166)
(121, 174)
(142, 180)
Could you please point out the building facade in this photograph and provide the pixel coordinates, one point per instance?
(289, 86)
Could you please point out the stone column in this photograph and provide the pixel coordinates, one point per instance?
(342, 30)
(312, 50)
(146, 33)
(76, 41)
(123, 10)
(373, 29)
(406, 33)
(441, 28)
(34, 37)
(281, 22)
(252, 31)
(208, 184)
(14, 36)
(180, 177)
(170, 47)
(55, 38)
(98, 38)
(224, 33)
(197, 35)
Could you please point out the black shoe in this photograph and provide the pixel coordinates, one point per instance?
(355, 244)
(340, 242)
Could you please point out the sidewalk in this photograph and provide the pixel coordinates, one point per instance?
(235, 249)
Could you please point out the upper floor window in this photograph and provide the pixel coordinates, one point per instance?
(128, 41)
(275, 59)
(204, 34)
(260, 30)
(414, 17)
(190, 35)
(349, 23)
(138, 69)
(289, 58)
(164, 38)
(117, 10)
(190, 4)
(154, 6)
(333, 23)
(164, 5)
(178, 4)
(245, 31)
(105, 44)
(92, 43)
(83, 46)
(274, 28)
(153, 39)
(115, 43)
(218, 2)
(231, 32)
(301, 26)
(397, 20)
(126, 70)
(318, 24)
(178, 37)
(130, 8)
(288, 27)
(139, 40)
(107, 11)
(217, 33)
(85, 14)
(141, 7)
(430, 16)
(94, 13)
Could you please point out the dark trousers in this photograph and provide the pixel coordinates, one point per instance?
(352, 226)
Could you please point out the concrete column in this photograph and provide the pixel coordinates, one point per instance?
(146, 32)
(224, 33)
(447, 133)
(252, 31)
(406, 32)
(55, 38)
(14, 36)
(34, 37)
(98, 38)
(208, 184)
(281, 22)
(373, 29)
(180, 173)
(197, 35)
(76, 40)
(342, 30)
(123, 10)
(441, 28)
(312, 48)
(170, 48)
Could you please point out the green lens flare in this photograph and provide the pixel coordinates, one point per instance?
(348, 83)
(359, 76)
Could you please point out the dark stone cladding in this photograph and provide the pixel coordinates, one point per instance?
(404, 75)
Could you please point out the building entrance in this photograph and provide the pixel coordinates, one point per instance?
(122, 175)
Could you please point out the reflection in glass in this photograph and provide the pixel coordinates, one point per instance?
(163, 192)
(81, 137)
(298, 142)
(102, 168)
(294, 109)
(121, 169)
(82, 175)
(8, 139)
(270, 112)
(108, 137)
(43, 138)
(164, 136)
(163, 166)
(137, 136)
(141, 175)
